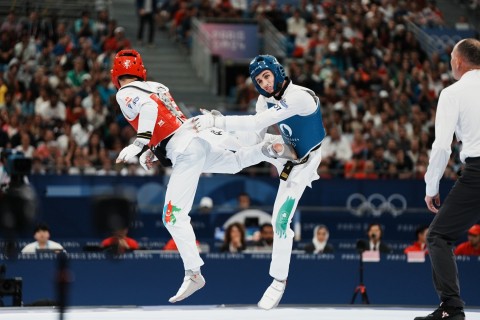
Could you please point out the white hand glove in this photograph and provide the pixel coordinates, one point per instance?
(208, 120)
(130, 151)
(214, 112)
(203, 122)
(147, 159)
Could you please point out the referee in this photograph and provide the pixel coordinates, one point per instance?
(458, 112)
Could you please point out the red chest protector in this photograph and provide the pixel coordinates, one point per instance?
(169, 116)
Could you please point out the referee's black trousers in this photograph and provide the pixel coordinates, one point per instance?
(458, 213)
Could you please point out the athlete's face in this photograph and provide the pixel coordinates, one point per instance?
(265, 80)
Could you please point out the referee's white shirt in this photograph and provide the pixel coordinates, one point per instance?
(458, 112)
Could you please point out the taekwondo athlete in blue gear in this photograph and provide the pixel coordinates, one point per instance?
(296, 112)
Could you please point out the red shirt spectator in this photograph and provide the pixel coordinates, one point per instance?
(172, 246)
(121, 240)
(421, 243)
(466, 249)
(132, 243)
(416, 246)
(472, 246)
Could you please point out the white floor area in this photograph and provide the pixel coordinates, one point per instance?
(223, 313)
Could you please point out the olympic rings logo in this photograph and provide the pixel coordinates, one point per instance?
(376, 204)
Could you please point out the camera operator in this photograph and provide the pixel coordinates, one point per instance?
(17, 197)
(14, 169)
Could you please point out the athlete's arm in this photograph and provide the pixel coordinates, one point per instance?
(133, 104)
(297, 104)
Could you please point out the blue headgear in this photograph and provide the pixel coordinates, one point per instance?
(267, 62)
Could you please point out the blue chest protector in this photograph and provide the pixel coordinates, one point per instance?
(303, 133)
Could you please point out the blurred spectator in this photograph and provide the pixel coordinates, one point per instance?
(374, 241)
(101, 25)
(41, 235)
(53, 110)
(80, 164)
(6, 50)
(265, 241)
(27, 104)
(403, 164)
(81, 131)
(234, 240)
(243, 201)
(119, 242)
(206, 205)
(146, 10)
(421, 243)
(472, 246)
(172, 246)
(76, 76)
(296, 25)
(105, 90)
(354, 166)
(11, 106)
(97, 114)
(117, 41)
(368, 171)
(336, 149)
(358, 145)
(84, 26)
(75, 110)
(320, 241)
(462, 24)
(25, 147)
(95, 150)
(10, 25)
(25, 50)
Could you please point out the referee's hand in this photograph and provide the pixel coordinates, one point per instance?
(433, 203)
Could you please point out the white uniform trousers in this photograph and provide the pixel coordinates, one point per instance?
(286, 201)
(199, 156)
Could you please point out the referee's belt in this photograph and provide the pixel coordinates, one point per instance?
(288, 167)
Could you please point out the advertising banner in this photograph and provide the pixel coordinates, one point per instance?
(232, 41)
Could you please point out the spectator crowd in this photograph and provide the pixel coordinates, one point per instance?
(378, 88)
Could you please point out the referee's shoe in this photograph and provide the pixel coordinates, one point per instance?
(445, 313)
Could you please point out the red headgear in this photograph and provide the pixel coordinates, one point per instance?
(127, 62)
